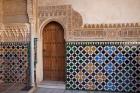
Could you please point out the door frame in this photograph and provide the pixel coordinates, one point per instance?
(39, 66)
(64, 50)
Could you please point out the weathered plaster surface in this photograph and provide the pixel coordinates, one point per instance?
(1, 11)
(15, 11)
(102, 11)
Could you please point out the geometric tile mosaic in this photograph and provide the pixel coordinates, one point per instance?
(107, 67)
(14, 59)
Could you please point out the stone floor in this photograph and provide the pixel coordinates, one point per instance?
(12, 88)
(43, 88)
(59, 87)
(52, 90)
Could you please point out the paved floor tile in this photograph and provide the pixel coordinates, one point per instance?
(12, 88)
(46, 90)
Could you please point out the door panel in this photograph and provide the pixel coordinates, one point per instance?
(53, 52)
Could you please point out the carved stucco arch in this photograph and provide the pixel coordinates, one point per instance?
(40, 43)
(66, 16)
(47, 21)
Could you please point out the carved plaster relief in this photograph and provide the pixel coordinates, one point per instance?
(54, 12)
(15, 11)
(15, 32)
(117, 32)
(63, 14)
(75, 30)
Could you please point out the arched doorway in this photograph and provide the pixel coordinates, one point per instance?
(53, 52)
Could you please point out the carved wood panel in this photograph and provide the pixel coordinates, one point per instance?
(53, 52)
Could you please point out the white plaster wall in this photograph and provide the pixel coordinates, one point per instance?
(102, 11)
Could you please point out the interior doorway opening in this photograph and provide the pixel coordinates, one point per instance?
(53, 52)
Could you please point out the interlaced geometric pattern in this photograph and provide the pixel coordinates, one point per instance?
(14, 59)
(103, 67)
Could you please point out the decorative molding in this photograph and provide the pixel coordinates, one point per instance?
(15, 32)
(119, 25)
(77, 20)
(63, 14)
(105, 32)
(46, 11)
(52, 2)
(54, 12)
(103, 43)
(75, 30)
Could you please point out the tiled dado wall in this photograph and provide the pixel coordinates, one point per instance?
(14, 59)
(108, 66)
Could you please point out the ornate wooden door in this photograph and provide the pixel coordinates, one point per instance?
(53, 52)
